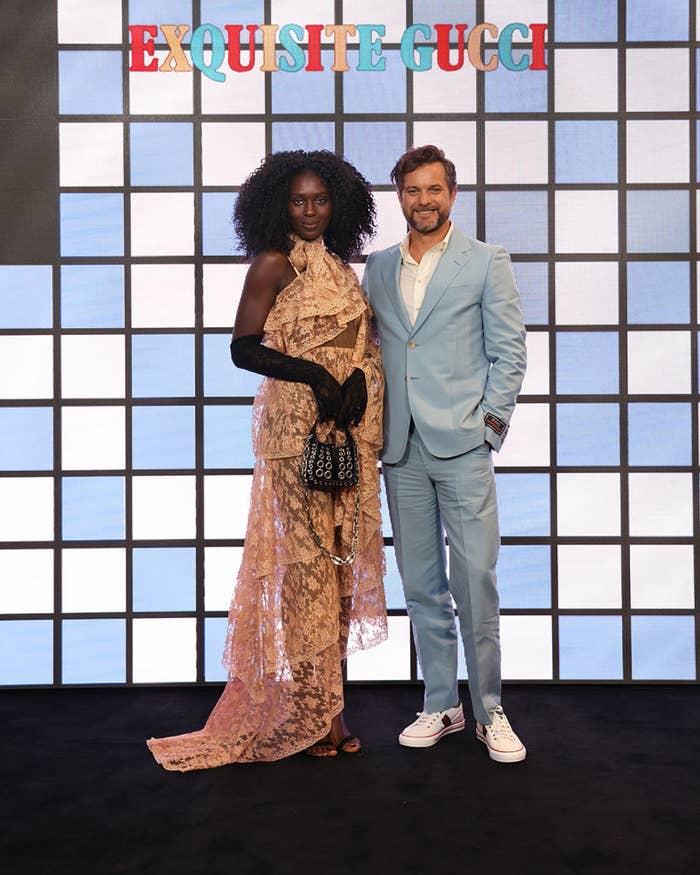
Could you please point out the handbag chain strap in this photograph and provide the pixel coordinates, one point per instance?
(336, 560)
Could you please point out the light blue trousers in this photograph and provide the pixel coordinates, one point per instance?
(427, 497)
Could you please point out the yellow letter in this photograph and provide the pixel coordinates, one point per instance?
(474, 46)
(340, 34)
(269, 32)
(174, 34)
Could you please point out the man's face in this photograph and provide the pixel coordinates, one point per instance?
(426, 199)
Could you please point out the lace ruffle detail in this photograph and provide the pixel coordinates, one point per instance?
(316, 306)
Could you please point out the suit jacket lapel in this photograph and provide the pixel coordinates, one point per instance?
(391, 269)
(453, 260)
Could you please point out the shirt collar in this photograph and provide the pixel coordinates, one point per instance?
(439, 247)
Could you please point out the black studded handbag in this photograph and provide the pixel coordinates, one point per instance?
(327, 466)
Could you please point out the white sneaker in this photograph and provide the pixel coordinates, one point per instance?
(503, 744)
(428, 729)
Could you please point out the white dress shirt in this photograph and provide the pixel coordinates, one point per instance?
(415, 276)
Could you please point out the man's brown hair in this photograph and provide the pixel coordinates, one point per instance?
(418, 156)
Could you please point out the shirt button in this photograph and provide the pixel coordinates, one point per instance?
(411, 345)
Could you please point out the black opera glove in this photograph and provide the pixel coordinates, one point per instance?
(328, 395)
(247, 352)
(354, 400)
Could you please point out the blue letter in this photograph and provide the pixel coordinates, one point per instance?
(369, 47)
(295, 50)
(505, 47)
(409, 49)
(218, 51)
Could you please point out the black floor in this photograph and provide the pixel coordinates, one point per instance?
(611, 784)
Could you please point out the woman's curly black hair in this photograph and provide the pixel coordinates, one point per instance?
(261, 216)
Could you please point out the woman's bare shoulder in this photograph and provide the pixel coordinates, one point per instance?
(271, 268)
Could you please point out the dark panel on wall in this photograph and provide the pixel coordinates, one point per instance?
(28, 134)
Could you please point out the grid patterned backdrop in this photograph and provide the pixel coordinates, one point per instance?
(124, 430)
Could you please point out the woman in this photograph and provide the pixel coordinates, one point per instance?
(304, 324)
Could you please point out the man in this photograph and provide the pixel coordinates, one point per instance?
(453, 345)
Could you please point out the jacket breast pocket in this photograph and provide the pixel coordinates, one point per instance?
(465, 295)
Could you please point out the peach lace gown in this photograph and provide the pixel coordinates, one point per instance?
(294, 614)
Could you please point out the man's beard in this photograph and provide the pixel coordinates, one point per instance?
(428, 222)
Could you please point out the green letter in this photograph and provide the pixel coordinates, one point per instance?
(294, 49)
(409, 49)
(218, 51)
(505, 47)
(369, 47)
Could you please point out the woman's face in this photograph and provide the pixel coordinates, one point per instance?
(309, 205)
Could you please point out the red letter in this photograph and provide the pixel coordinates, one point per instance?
(314, 57)
(443, 46)
(538, 46)
(234, 46)
(139, 46)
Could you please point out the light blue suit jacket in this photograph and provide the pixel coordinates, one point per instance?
(458, 370)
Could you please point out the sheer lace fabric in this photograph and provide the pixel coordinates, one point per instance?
(294, 615)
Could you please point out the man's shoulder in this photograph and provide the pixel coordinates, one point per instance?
(382, 254)
(486, 249)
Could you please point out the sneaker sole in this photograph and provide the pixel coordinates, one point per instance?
(498, 756)
(430, 740)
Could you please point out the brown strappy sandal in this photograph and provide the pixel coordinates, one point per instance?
(340, 747)
(326, 745)
(332, 750)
